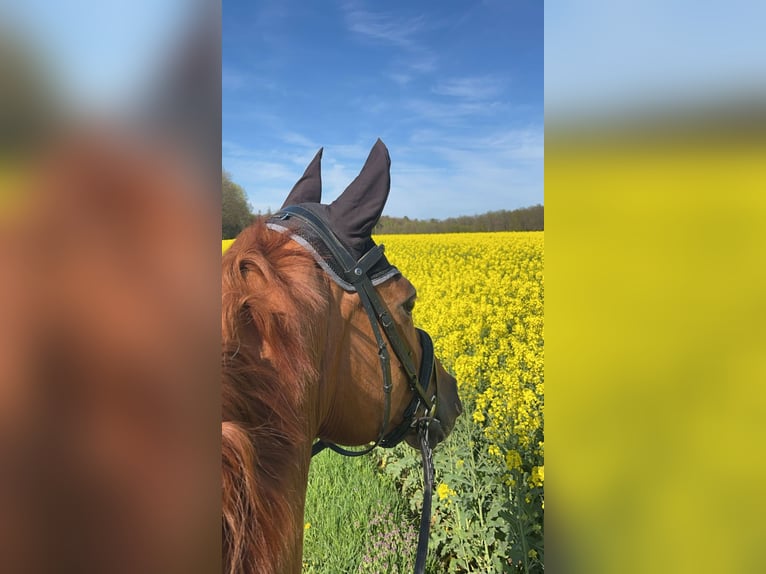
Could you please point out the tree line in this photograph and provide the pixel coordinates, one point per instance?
(523, 219)
(236, 214)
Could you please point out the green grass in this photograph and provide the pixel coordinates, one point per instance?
(352, 508)
(364, 520)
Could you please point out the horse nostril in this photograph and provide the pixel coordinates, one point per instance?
(459, 407)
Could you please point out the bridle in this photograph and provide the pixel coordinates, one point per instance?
(357, 274)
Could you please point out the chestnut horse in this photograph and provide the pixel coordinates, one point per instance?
(300, 358)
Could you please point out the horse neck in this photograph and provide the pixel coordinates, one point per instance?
(292, 479)
(265, 471)
(266, 457)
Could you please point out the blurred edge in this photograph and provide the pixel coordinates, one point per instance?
(656, 330)
(109, 303)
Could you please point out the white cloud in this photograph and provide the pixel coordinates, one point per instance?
(453, 112)
(399, 31)
(382, 27)
(445, 176)
(296, 139)
(232, 80)
(470, 88)
(423, 63)
(400, 78)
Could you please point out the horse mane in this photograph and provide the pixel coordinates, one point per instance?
(270, 292)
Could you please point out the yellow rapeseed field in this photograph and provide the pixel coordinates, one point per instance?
(480, 295)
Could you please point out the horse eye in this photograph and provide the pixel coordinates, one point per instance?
(408, 306)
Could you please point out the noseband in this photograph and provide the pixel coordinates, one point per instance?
(357, 273)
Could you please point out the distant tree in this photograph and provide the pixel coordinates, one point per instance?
(235, 210)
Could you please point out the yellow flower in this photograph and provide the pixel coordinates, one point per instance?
(512, 459)
(444, 491)
(307, 526)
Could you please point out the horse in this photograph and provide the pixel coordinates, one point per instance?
(310, 307)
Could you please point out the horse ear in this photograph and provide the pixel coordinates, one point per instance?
(359, 207)
(308, 189)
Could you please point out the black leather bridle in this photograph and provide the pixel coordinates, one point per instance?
(357, 273)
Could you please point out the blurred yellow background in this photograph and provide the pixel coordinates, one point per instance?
(656, 349)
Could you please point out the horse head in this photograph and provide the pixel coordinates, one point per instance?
(354, 379)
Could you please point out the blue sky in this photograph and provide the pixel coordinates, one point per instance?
(454, 89)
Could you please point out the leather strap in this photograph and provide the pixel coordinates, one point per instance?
(428, 485)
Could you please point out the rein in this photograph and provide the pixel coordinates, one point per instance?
(426, 455)
(356, 272)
